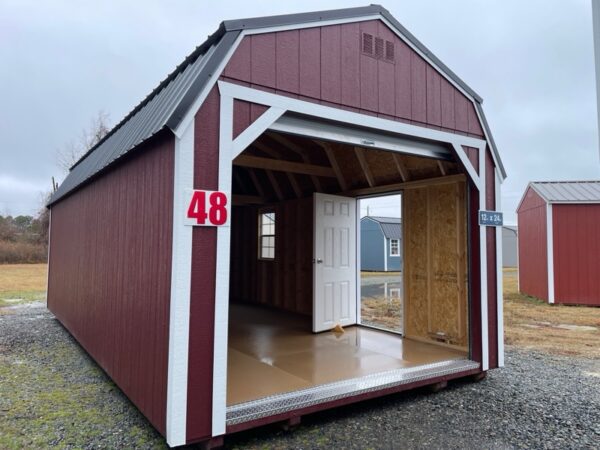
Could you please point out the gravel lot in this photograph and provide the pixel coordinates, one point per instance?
(52, 394)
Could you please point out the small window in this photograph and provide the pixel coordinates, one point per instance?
(394, 247)
(266, 235)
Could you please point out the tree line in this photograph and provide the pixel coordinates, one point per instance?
(24, 238)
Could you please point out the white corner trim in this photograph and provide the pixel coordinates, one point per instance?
(221, 324)
(385, 257)
(499, 275)
(179, 316)
(550, 251)
(485, 355)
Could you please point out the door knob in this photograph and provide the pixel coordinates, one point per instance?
(319, 260)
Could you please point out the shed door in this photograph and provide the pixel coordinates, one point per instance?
(334, 262)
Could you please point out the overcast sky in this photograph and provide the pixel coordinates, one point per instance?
(63, 61)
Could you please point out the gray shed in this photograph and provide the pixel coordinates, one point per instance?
(381, 244)
(509, 246)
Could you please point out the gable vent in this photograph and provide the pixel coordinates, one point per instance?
(367, 43)
(389, 51)
(377, 48)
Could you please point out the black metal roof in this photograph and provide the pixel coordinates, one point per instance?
(167, 104)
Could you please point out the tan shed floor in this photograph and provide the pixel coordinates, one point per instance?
(271, 352)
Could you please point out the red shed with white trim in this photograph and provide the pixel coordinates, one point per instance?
(559, 242)
(205, 249)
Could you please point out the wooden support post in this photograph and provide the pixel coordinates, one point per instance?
(291, 423)
(364, 165)
(437, 387)
(211, 444)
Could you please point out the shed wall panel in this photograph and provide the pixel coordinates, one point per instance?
(285, 282)
(110, 272)
(533, 254)
(576, 242)
(202, 292)
(329, 67)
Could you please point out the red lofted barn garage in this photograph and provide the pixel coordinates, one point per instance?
(203, 251)
(559, 242)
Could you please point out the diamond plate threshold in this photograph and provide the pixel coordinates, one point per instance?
(289, 401)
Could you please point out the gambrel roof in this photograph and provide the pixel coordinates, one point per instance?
(166, 106)
(568, 191)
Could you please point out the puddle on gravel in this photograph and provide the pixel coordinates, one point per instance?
(561, 326)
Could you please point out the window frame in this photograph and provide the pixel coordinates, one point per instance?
(398, 248)
(260, 235)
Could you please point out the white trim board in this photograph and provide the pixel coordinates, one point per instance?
(181, 277)
(499, 275)
(485, 351)
(550, 252)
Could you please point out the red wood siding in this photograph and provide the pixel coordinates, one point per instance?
(110, 272)
(492, 287)
(286, 282)
(576, 242)
(202, 292)
(326, 65)
(533, 254)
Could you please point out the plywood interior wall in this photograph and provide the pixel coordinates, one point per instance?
(436, 263)
(286, 281)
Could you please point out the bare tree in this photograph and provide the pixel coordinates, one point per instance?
(70, 153)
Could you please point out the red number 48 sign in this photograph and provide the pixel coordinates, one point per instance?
(207, 208)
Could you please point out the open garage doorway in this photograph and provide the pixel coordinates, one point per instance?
(296, 323)
(380, 262)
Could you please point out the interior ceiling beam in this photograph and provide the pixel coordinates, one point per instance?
(407, 185)
(275, 184)
(442, 168)
(248, 199)
(256, 183)
(334, 164)
(402, 170)
(282, 140)
(358, 151)
(238, 178)
(290, 176)
(258, 162)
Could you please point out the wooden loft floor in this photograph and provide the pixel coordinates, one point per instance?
(272, 352)
(279, 167)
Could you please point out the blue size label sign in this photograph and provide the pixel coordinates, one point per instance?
(490, 218)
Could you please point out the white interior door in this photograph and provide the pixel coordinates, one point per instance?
(334, 262)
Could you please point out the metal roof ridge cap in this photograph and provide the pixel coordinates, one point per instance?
(302, 17)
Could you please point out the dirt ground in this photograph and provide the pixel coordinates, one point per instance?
(533, 324)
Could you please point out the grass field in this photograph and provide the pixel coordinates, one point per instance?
(564, 330)
(22, 283)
